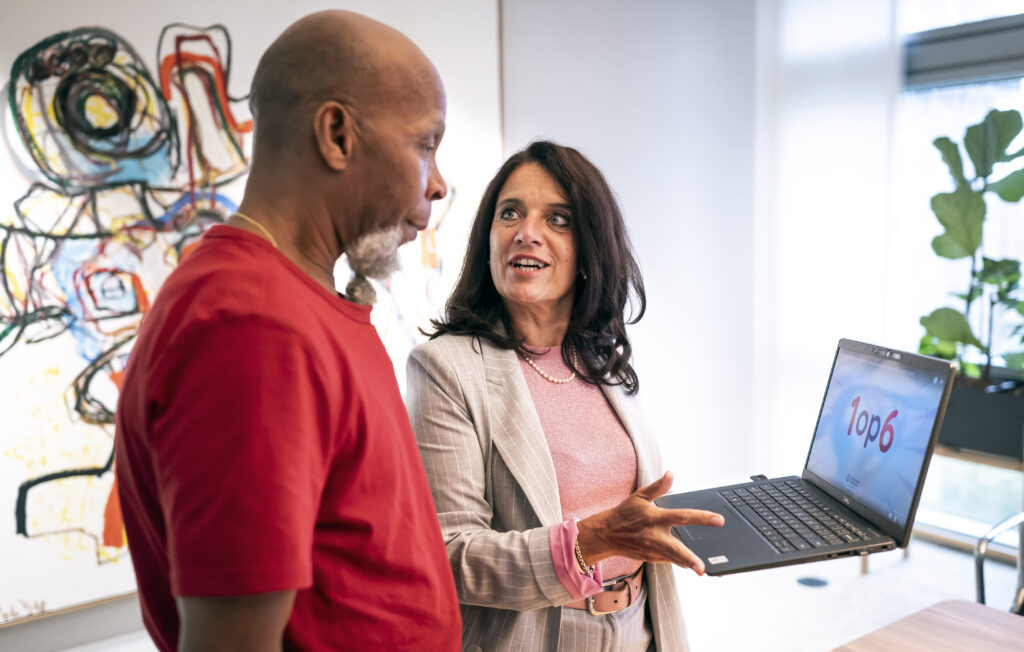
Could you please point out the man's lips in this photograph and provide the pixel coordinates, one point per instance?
(412, 228)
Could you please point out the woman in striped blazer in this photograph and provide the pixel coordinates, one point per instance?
(541, 468)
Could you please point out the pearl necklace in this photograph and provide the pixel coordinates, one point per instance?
(548, 377)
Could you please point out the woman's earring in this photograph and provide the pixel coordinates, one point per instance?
(583, 274)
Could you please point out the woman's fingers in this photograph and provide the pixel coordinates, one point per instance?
(678, 553)
(657, 488)
(685, 557)
(672, 517)
(639, 529)
(662, 546)
(677, 516)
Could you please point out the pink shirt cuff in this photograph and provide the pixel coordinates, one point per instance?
(563, 554)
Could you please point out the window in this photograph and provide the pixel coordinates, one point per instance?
(955, 74)
(920, 15)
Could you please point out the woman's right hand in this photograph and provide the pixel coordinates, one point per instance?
(639, 529)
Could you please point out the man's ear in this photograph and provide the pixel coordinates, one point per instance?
(334, 127)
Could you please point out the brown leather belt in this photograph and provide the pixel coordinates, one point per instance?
(615, 597)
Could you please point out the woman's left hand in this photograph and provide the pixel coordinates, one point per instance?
(639, 529)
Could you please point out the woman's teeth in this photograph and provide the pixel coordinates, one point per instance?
(527, 265)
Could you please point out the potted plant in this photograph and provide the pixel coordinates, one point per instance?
(986, 409)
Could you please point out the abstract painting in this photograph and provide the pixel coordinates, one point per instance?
(124, 166)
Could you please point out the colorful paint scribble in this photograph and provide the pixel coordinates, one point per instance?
(126, 171)
(126, 166)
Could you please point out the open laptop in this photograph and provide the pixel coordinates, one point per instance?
(861, 482)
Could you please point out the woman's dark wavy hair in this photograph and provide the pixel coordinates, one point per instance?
(609, 276)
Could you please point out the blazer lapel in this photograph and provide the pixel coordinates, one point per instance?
(517, 433)
(647, 464)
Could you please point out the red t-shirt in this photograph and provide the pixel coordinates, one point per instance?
(262, 445)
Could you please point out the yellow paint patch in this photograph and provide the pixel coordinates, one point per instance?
(15, 287)
(99, 112)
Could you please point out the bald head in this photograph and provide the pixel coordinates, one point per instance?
(349, 114)
(331, 56)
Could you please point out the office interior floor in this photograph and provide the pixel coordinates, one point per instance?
(773, 611)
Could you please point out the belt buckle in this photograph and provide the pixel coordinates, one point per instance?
(595, 612)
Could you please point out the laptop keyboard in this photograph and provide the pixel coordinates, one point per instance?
(791, 518)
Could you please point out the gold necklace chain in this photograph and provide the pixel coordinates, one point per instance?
(258, 226)
(549, 377)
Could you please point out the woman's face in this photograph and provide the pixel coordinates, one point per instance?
(533, 256)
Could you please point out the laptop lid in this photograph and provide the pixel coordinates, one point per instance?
(876, 430)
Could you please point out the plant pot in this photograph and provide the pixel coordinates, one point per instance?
(984, 422)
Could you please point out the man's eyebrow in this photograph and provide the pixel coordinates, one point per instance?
(432, 130)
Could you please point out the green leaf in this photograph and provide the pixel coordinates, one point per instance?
(951, 156)
(970, 369)
(1014, 360)
(987, 141)
(976, 291)
(1009, 188)
(937, 348)
(950, 325)
(1005, 271)
(946, 247)
(962, 213)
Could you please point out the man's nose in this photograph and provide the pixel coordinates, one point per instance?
(436, 186)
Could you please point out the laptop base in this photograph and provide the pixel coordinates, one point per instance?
(739, 545)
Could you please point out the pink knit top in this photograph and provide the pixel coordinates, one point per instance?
(595, 463)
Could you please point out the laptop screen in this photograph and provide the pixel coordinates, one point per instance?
(874, 430)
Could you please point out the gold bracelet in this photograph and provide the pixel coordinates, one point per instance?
(580, 563)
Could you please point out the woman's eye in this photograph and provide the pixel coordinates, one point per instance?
(559, 220)
(506, 214)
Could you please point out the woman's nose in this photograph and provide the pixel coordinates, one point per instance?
(528, 232)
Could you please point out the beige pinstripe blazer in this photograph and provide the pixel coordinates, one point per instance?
(496, 494)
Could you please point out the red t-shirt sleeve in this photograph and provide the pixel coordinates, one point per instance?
(239, 441)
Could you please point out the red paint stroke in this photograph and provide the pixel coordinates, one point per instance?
(178, 59)
(113, 523)
(83, 280)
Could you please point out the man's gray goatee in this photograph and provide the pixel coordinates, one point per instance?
(360, 290)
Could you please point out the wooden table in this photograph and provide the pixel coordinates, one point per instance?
(950, 625)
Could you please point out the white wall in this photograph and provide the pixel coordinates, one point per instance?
(828, 73)
(660, 96)
(460, 36)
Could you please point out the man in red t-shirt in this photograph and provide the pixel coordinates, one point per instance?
(272, 491)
